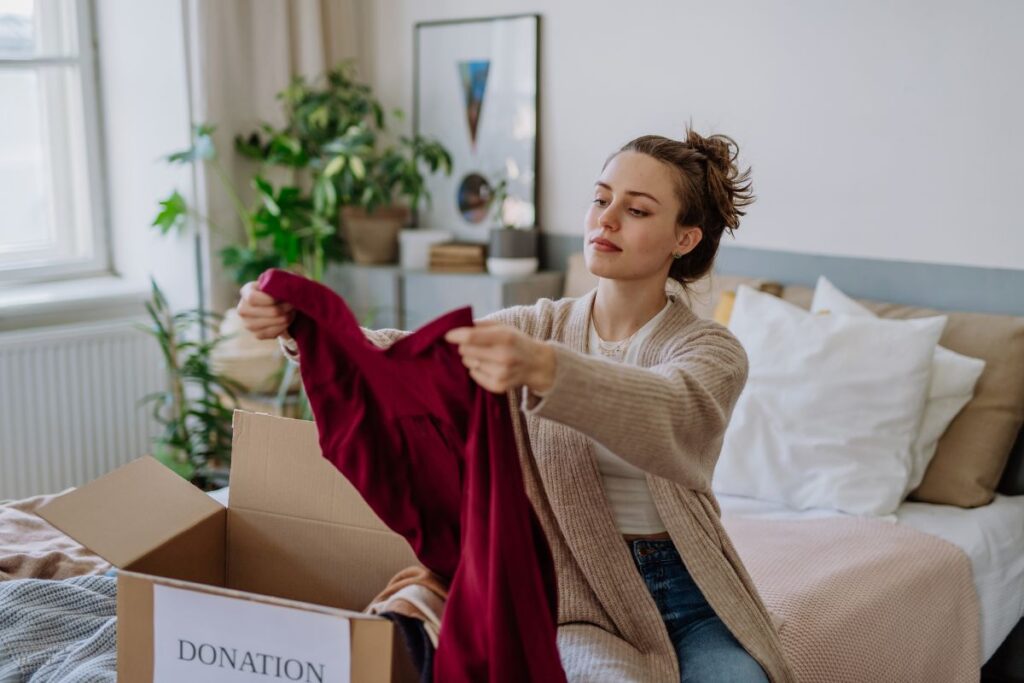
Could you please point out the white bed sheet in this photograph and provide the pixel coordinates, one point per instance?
(992, 537)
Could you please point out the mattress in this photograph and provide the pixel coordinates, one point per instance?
(992, 537)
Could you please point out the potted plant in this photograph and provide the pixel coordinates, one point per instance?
(281, 230)
(511, 250)
(196, 407)
(334, 131)
(282, 226)
(341, 175)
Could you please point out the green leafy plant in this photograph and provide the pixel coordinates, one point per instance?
(497, 204)
(196, 408)
(332, 142)
(258, 252)
(334, 129)
(331, 139)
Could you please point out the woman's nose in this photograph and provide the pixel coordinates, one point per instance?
(609, 218)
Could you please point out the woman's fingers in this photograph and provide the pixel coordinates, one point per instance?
(488, 354)
(255, 299)
(264, 323)
(458, 335)
(480, 334)
(247, 310)
(256, 307)
(472, 363)
(487, 380)
(252, 294)
(267, 327)
(269, 333)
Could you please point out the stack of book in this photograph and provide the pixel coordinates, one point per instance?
(458, 257)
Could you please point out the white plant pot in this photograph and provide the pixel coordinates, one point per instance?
(254, 363)
(511, 266)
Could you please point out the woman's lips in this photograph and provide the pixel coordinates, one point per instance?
(604, 245)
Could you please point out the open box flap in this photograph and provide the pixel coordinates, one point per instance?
(277, 467)
(130, 512)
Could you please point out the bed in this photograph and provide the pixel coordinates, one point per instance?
(990, 536)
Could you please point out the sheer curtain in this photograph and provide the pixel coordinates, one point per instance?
(240, 54)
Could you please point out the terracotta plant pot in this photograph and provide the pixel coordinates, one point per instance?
(373, 238)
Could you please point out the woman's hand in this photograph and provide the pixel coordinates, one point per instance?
(500, 357)
(262, 315)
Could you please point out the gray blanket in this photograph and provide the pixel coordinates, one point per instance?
(59, 631)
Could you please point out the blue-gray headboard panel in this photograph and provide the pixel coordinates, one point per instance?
(933, 285)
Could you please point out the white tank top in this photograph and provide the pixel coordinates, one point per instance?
(625, 485)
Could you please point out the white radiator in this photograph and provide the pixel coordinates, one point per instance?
(69, 404)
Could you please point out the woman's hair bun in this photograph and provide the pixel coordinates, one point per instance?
(728, 187)
(720, 150)
(713, 190)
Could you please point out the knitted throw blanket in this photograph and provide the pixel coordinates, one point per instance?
(864, 600)
(59, 631)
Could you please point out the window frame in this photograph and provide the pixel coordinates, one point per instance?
(86, 61)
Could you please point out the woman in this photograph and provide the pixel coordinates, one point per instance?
(625, 396)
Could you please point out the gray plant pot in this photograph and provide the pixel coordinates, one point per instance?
(508, 243)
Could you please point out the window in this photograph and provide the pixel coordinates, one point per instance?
(51, 201)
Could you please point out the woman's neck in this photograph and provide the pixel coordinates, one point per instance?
(622, 307)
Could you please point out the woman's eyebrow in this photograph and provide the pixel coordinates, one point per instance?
(632, 192)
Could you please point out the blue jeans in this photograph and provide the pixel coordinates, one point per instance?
(706, 649)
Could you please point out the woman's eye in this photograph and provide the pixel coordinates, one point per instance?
(636, 212)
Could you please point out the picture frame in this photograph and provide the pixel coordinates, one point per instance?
(476, 90)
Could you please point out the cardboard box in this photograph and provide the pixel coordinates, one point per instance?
(270, 586)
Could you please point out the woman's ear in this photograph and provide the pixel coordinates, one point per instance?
(689, 239)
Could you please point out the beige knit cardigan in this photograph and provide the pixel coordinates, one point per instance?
(666, 415)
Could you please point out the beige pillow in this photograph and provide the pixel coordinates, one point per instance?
(974, 449)
(705, 295)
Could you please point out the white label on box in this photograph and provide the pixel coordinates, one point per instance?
(205, 638)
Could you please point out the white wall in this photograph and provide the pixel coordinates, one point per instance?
(145, 116)
(875, 129)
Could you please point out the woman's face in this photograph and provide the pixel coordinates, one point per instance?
(630, 228)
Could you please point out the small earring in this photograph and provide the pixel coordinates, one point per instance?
(676, 255)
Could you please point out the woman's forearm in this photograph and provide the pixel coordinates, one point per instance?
(668, 419)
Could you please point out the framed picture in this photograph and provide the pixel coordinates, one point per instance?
(475, 90)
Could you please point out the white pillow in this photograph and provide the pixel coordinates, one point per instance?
(831, 406)
(952, 385)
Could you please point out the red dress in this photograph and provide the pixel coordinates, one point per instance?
(434, 455)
